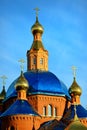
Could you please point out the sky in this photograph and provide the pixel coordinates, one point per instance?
(65, 38)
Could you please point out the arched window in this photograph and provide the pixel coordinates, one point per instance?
(44, 111)
(49, 110)
(12, 128)
(34, 60)
(55, 112)
(41, 60)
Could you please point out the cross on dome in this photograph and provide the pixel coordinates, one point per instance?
(3, 79)
(37, 10)
(22, 61)
(74, 71)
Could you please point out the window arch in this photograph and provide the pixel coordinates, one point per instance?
(12, 128)
(55, 112)
(49, 110)
(41, 60)
(34, 60)
(44, 111)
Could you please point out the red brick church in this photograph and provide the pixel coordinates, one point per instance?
(38, 99)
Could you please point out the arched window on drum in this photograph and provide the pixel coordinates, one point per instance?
(54, 111)
(49, 110)
(44, 111)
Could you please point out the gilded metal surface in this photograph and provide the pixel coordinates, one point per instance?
(37, 45)
(37, 26)
(77, 125)
(75, 89)
(21, 83)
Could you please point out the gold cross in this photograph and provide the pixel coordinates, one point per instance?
(74, 71)
(36, 9)
(3, 79)
(22, 61)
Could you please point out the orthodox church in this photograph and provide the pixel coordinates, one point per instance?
(37, 99)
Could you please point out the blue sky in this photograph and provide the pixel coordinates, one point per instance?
(65, 37)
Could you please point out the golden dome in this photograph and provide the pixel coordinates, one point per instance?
(37, 27)
(75, 89)
(77, 125)
(22, 83)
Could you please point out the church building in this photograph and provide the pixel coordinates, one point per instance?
(37, 99)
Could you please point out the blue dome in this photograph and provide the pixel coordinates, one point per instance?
(14, 109)
(41, 82)
(80, 110)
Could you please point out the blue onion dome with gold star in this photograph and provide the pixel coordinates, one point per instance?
(37, 27)
(75, 89)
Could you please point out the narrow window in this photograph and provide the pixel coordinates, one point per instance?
(44, 111)
(55, 111)
(41, 60)
(49, 110)
(34, 60)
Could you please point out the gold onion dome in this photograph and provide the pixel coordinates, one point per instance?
(21, 83)
(75, 89)
(37, 27)
(77, 125)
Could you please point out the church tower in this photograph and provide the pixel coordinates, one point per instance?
(37, 56)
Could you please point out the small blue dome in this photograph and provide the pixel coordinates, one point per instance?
(41, 82)
(14, 109)
(80, 110)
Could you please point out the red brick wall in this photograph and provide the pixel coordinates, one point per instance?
(20, 122)
(40, 101)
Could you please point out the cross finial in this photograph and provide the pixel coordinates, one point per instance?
(22, 61)
(74, 71)
(36, 9)
(3, 79)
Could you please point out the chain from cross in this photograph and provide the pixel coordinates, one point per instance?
(3, 79)
(37, 10)
(22, 61)
(74, 71)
